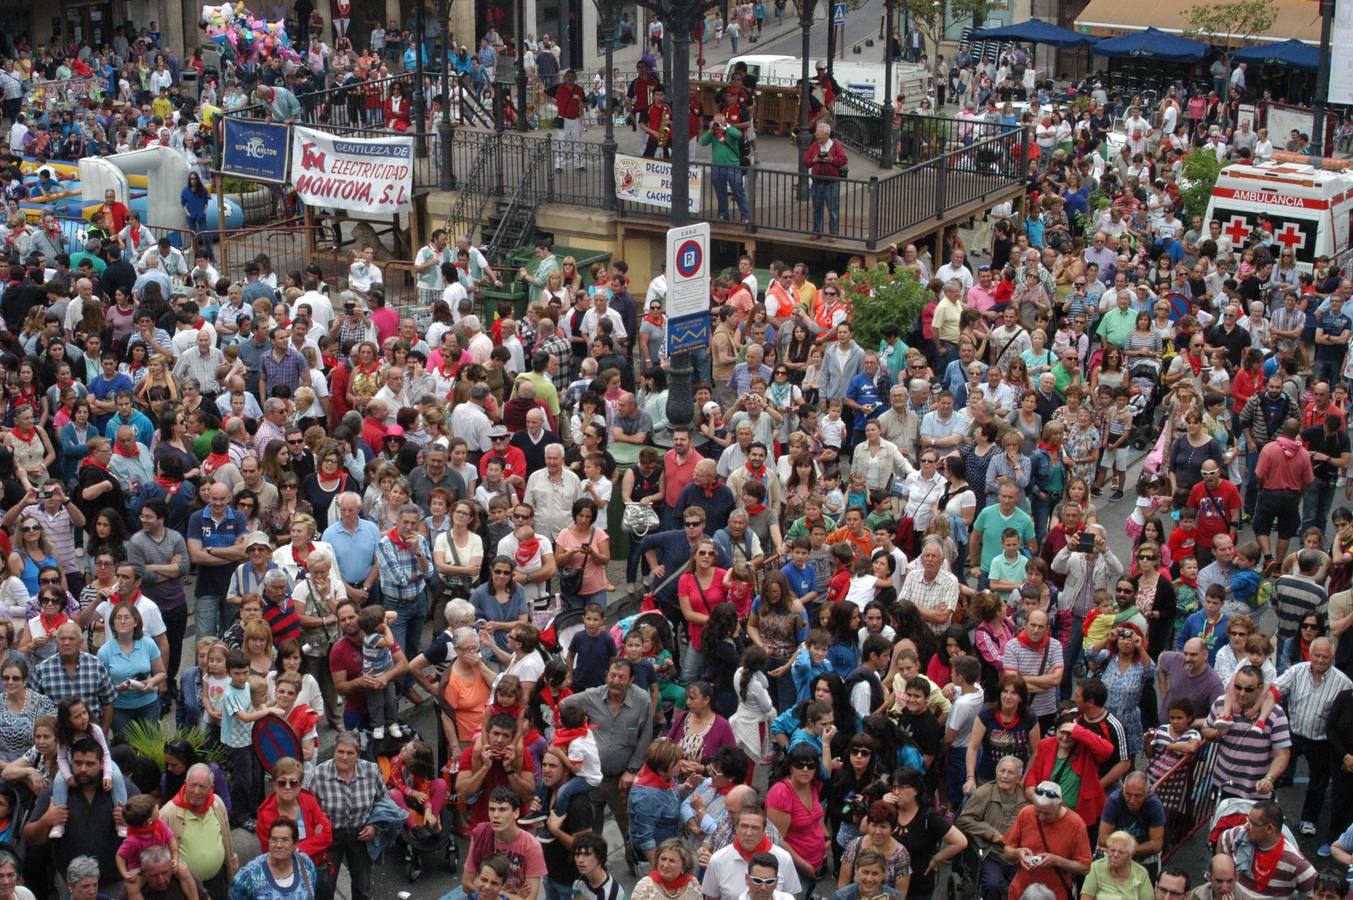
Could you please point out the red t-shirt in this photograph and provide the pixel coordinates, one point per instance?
(1214, 510)
(525, 857)
(1183, 543)
(346, 657)
(515, 462)
(1066, 838)
(839, 585)
(569, 99)
(479, 810)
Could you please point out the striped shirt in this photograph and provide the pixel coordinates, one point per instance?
(1020, 658)
(283, 619)
(1244, 755)
(1309, 703)
(1293, 875)
(59, 531)
(1294, 598)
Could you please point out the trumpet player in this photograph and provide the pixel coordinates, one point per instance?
(658, 127)
(725, 142)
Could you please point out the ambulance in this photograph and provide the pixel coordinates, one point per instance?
(1306, 201)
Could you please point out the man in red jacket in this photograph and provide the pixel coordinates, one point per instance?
(826, 161)
(569, 99)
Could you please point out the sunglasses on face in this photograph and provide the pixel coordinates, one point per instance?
(803, 765)
(1311, 625)
(762, 882)
(1247, 688)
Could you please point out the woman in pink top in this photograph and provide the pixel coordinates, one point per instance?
(793, 807)
(699, 590)
(994, 631)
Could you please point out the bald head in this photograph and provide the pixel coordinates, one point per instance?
(738, 796)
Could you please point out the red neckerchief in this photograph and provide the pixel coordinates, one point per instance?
(214, 461)
(51, 625)
(170, 487)
(1024, 639)
(21, 435)
(648, 778)
(526, 551)
(758, 474)
(1265, 864)
(300, 558)
(394, 539)
(91, 461)
(1045, 446)
(1196, 365)
(723, 791)
(565, 736)
(1014, 720)
(119, 450)
(135, 232)
(1305, 649)
(763, 847)
(756, 509)
(28, 395)
(115, 598)
(709, 491)
(142, 831)
(653, 319)
(181, 800)
(673, 886)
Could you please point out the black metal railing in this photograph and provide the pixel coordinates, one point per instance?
(870, 210)
(576, 171)
(859, 124)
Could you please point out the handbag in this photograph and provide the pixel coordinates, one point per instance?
(639, 519)
(460, 586)
(570, 578)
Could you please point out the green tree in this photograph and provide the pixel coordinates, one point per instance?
(1199, 175)
(877, 297)
(928, 16)
(977, 10)
(1233, 22)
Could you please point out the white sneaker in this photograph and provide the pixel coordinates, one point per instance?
(1307, 828)
(396, 731)
(378, 733)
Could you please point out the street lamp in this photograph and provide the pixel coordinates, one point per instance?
(887, 161)
(419, 98)
(609, 10)
(806, 10)
(447, 180)
(521, 65)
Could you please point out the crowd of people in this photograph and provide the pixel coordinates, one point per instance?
(882, 633)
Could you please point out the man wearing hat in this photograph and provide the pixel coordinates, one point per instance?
(514, 460)
(1049, 842)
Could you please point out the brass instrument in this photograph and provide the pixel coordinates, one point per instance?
(665, 132)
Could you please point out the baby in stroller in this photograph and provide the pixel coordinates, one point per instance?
(416, 789)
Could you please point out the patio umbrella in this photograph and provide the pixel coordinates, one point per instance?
(1035, 31)
(1151, 44)
(1298, 54)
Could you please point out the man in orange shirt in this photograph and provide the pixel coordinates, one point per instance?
(854, 533)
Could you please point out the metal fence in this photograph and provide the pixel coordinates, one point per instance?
(869, 210)
(576, 169)
(1189, 797)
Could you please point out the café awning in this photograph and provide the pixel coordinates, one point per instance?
(1035, 31)
(1293, 19)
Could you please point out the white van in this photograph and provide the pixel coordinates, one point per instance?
(1309, 208)
(865, 80)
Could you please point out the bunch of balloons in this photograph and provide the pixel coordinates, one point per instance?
(240, 35)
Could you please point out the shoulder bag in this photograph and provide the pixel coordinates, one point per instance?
(570, 578)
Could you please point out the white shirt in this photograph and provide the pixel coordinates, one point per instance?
(1308, 704)
(949, 270)
(468, 420)
(726, 875)
(589, 324)
(321, 310)
(962, 714)
(151, 621)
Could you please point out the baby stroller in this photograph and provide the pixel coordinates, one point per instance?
(965, 871)
(414, 846)
(558, 634)
(1144, 377)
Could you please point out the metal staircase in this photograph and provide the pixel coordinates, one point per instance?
(476, 190)
(513, 224)
(859, 124)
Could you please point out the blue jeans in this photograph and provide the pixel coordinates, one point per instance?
(408, 630)
(1251, 489)
(1328, 370)
(580, 601)
(955, 773)
(635, 562)
(728, 179)
(61, 790)
(564, 796)
(124, 717)
(557, 890)
(1071, 652)
(826, 194)
(700, 363)
(692, 664)
(210, 617)
(1315, 507)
